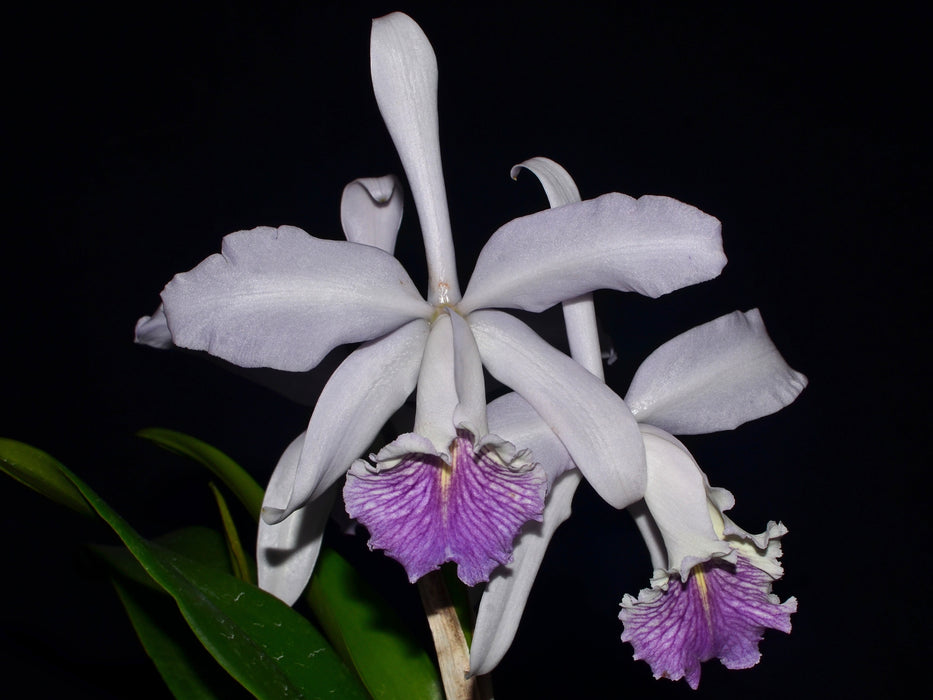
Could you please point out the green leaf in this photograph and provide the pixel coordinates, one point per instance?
(40, 471)
(369, 634)
(237, 479)
(185, 666)
(237, 556)
(269, 648)
(199, 543)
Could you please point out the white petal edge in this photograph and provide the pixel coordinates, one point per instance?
(513, 419)
(286, 552)
(361, 395)
(651, 245)
(404, 73)
(281, 298)
(594, 424)
(503, 601)
(153, 330)
(558, 185)
(715, 376)
(676, 496)
(371, 211)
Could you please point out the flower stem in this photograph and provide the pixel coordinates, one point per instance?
(453, 655)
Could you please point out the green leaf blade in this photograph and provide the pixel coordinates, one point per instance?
(269, 648)
(187, 669)
(42, 473)
(368, 633)
(237, 479)
(238, 561)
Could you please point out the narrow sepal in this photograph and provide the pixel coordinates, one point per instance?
(404, 73)
(361, 395)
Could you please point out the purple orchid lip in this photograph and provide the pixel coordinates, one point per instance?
(720, 611)
(423, 511)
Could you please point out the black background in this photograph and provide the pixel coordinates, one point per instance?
(139, 136)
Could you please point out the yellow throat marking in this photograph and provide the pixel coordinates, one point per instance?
(447, 471)
(703, 590)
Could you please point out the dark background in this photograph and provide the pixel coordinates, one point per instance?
(138, 137)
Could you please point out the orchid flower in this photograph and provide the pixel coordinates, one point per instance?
(713, 377)
(281, 298)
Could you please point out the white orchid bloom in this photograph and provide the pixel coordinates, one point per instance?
(281, 298)
(713, 377)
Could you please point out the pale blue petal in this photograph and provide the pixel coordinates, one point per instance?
(651, 245)
(594, 424)
(579, 312)
(367, 388)
(286, 552)
(283, 299)
(714, 377)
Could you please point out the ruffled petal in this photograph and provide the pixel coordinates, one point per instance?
(283, 299)
(721, 611)
(424, 512)
(404, 72)
(513, 418)
(762, 550)
(594, 424)
(371, 211)
(714, 377)
(153, 330)
(676, 495)
(651, 245)
(286, 552)
(503, 601)
(367, 388)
